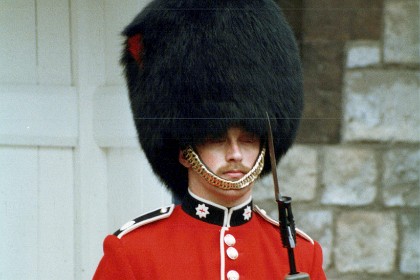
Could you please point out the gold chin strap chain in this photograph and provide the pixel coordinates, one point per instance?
(199, 167)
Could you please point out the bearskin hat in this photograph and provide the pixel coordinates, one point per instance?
(194, 68)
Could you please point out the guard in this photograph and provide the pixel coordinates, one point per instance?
(202, 76)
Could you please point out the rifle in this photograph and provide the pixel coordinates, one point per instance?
(286, 220)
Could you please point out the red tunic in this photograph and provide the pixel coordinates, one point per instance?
(201, 240)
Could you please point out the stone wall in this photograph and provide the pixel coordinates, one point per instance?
(354, 172)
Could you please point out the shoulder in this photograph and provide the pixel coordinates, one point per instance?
(150, 217)
(262, 213)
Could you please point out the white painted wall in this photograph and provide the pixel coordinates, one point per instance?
(71, 170)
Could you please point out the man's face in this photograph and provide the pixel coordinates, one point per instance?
(231, 156)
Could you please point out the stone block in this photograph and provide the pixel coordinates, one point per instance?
(381, 105)
(363, 54)
(326, 26)
(342, 20)
(349, 176)
(366, 19)
(321, 23)
(401, 31)
(410, 247)
(400, 181)
(322, 86)
(297, 174)
(366, 242)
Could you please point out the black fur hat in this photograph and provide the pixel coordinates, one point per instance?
(194, 68)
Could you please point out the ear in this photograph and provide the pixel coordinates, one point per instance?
(182, 160)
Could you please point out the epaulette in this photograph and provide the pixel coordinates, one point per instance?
(263, 214)
(147, 218)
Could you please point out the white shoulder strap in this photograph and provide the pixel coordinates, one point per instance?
(147, 218)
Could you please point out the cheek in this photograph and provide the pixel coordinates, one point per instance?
(212, 160)
(252, 156)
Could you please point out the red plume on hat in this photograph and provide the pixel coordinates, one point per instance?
(194, 68)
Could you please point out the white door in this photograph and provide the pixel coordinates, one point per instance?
(71, 170)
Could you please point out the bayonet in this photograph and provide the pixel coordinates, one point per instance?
(286, 221)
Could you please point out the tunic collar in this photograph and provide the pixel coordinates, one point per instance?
(212, 213)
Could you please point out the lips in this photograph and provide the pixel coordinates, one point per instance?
(234, 174)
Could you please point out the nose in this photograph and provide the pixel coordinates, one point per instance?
(233, 152)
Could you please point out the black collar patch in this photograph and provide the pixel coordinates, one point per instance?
(213, 213)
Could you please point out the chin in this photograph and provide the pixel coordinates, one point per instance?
(232, 195)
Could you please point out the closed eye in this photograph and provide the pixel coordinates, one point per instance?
(249, 139)
(216, 140)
